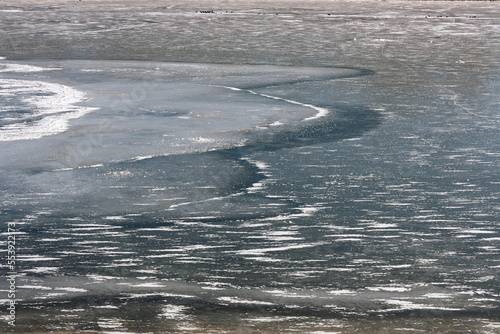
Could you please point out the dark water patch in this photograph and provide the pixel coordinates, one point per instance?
(344, 123)
(354, 73)
(445, 237)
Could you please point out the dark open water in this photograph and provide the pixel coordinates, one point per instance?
(306, 167)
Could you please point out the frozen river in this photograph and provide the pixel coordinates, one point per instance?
(211, 167)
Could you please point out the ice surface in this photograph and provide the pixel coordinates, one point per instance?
(271, 166)
(50, 106)
(182, 110)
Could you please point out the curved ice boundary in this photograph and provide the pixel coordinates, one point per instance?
(165, 116)
(147, 109)
(321, 112)
(33, 109)
(40, 109)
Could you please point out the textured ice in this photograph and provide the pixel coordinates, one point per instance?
(324, 166)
